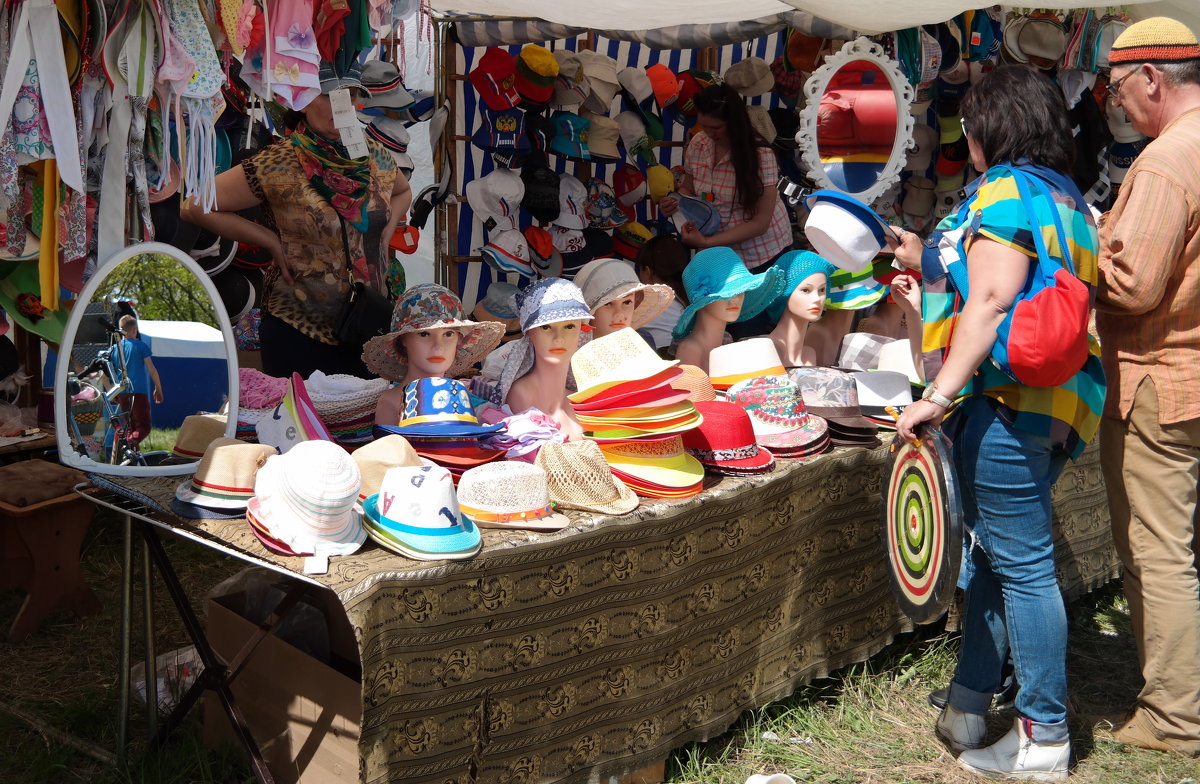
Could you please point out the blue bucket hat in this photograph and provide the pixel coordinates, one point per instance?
(715, 274)
(439, 407)
(797, 265)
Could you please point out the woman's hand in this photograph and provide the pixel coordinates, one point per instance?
(916, 413)
(909, 249)
(668, 204)
(279, 260)
(690, 235)
(907, 293)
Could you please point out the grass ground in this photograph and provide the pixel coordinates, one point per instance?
(870, 724)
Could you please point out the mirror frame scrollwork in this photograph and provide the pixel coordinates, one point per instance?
(861, 48)
(67, 454)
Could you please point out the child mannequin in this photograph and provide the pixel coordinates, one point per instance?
(538, 371)
(617, 298)
(430, 337)
(806, 280)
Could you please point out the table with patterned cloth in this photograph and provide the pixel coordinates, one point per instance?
(595, 651)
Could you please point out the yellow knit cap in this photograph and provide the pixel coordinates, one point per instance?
(1158, 39)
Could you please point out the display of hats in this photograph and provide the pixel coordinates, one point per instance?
(508, 251)
(716, 274)
(606, 280)
(571, 87)
(509, 494)
(501, 131)
(195, 434)
(745, 359)
(346, 404)
(832, 395)
(546, 259)
(629, 184)
(601, 209)
(495, 79)
(725, 442)
(655, 468)
(416, 514)
(374, 460)
(306, 499)
(750, 77)
(601, 73)
(1039, 40)
(602, 136)
(568, 241)
(577, 477)
(438, 407)
(843, 230)
(541, 191)
(384, 87)
(572, 203)
(570, 136)
(696, 383)
(879, 390)
(620, 357)
(496, 198)
(223, 482)
(293, 421)
(422, 307)
(777, 413)
(664, 83)
(536, 73)
(499, 305)
(628, 240)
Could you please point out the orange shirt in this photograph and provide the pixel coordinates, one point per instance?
(1148, 302)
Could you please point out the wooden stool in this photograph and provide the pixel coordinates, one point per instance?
(42, 525)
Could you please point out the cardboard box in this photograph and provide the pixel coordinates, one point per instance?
(304, 713)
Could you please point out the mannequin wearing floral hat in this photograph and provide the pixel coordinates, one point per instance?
(538, 371)
(708, 331)
(430, 354)
(802, 302)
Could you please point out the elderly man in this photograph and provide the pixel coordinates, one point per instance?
(1149, 321)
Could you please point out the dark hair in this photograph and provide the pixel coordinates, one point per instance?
(1014, 113)
(666, 257)
(722, 102)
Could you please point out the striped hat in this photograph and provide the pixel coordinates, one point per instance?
(223, 482)
(1158, 39)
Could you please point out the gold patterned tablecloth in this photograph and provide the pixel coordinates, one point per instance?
(596, 650)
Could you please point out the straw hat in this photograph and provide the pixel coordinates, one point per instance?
(614, 359)
(374, 460)
(509, 494)
(604, 280)
(306, 499)
(427, 525)
(196, 433)
(725, 443)
(660, 461)
(428, 306)
(718, 273)
(734, 362)
(223, 482)
(578, 478)
(696, 383)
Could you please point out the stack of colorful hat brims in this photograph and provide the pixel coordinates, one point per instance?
(416, 513)
(725, 442)
(440, 423)
(780, 421)
(258, 394)
(626, 404)
(832, 395)
(346, 404)
(745, 359)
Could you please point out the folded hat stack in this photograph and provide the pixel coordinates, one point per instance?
(258, 394)
(439, 422)
(882, 394)
(346, 404)
(627, 405)
(780, 421)
(831, 394)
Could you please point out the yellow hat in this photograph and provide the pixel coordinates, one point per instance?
(660, 181)
(1158, 39)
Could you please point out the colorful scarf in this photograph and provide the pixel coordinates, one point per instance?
(340, 180)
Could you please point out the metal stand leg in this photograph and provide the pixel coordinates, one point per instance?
(148, 636)
(123, 663)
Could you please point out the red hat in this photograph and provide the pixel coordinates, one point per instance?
(683, 110)
(664, 83)
(629, 184)
(494, 78)
(788, 82)
(724, 443)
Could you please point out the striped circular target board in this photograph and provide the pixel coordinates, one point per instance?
(922, 524)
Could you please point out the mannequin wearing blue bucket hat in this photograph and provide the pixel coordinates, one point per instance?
(720, 291)
(801, 301)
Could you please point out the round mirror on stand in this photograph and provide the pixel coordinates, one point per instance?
(856, 128)
(149, 310)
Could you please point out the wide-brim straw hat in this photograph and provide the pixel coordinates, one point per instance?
(429, 306)
(578, 477)
(605, 280)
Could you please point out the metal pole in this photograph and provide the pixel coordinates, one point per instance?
(123, 658)
(148, 637)
(440, 273)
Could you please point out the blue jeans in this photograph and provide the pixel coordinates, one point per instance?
(1013, 599)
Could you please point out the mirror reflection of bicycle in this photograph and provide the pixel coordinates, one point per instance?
(108, 380)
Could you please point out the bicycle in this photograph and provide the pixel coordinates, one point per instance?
(109, 364)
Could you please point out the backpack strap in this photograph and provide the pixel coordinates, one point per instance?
(1024, 180)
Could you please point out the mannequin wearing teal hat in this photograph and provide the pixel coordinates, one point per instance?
(806, 279)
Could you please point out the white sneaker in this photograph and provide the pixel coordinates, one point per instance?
(1017, 756)
(960, 730)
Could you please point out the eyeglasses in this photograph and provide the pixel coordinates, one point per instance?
(1114, 88)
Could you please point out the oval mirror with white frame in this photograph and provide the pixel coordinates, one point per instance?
(175, 327)
(856, 128)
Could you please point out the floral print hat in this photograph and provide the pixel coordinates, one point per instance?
(430, 306)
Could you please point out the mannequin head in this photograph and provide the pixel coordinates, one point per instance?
(725, 310)
(618, 314)
(807, 300)
(430, 352)
(616, 298)
(554, 344)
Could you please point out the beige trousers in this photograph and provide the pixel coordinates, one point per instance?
(1152, 472)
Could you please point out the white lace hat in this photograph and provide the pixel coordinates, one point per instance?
(509, 494)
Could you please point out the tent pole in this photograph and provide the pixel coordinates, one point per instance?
(440, 89)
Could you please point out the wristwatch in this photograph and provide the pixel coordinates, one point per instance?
(932, 395)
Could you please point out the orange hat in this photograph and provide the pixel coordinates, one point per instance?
(665, 84)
